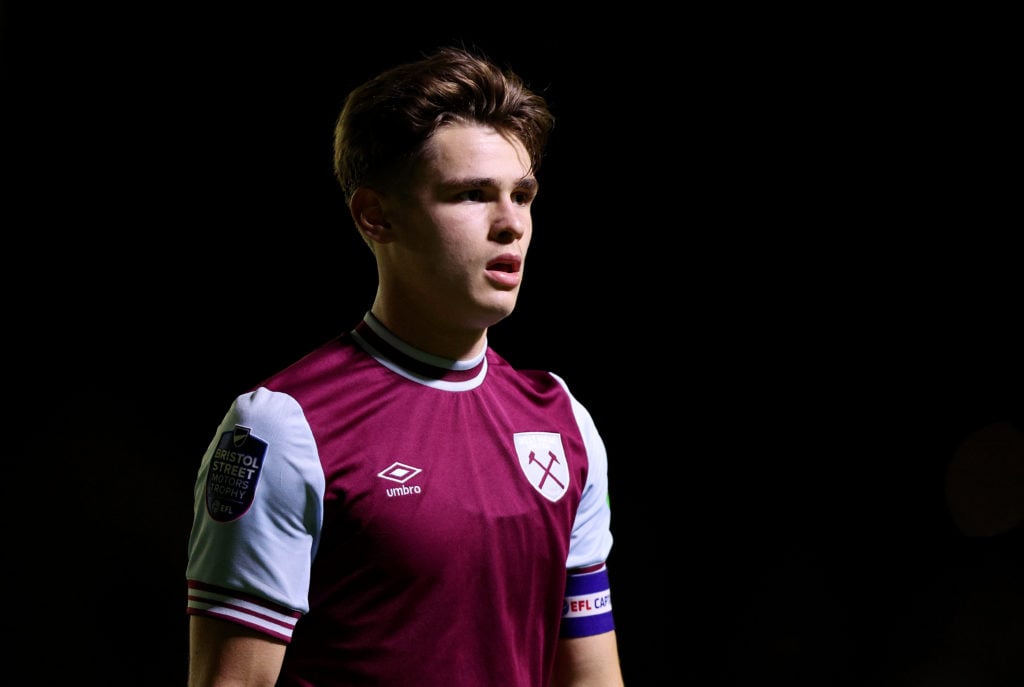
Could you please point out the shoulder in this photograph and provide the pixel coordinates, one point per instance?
(334, 355)
(537, 380)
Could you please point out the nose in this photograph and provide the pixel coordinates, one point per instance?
(510, 222)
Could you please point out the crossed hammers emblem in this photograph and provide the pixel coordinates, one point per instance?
(546, 469)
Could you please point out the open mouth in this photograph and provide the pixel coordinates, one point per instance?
(505, 263)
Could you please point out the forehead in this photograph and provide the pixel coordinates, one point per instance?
(475, 150)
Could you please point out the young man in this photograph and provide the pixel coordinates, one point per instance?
(401, 506)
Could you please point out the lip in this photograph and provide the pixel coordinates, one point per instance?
(505, 270)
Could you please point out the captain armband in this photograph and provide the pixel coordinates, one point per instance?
(587, 608)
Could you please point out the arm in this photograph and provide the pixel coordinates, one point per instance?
(223, 654)
(265, 544)
(588, 662)
(587, 653)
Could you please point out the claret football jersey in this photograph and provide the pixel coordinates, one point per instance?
(399, 518)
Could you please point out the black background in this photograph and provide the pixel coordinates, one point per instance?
(775, 255)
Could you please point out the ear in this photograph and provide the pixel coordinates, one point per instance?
(367, 208)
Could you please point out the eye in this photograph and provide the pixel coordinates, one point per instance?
(473, 195)
(523, 197)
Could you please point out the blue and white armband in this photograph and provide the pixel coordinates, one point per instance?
(587, 608)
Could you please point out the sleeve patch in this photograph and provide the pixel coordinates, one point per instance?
(233, 473)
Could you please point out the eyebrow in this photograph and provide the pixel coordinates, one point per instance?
(528, 183)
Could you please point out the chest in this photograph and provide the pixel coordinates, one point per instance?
(440, 476)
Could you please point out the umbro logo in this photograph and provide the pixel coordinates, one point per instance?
(401, 473)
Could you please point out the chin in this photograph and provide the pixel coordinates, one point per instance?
(495, 311)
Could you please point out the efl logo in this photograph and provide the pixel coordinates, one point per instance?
(578, 606)
(232, 474)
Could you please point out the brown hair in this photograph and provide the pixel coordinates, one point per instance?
(386, 121)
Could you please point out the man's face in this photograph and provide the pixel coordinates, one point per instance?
(461, 230)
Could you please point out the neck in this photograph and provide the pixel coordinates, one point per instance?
(431, 335)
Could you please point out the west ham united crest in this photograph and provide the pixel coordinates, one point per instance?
(233, 473)
(542, 459)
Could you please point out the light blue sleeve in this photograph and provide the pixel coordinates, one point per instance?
(591, 539)
(258, 509)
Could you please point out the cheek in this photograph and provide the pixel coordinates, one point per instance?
(524, 240)
(453, 249)
(459, 233)
(430, 233)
